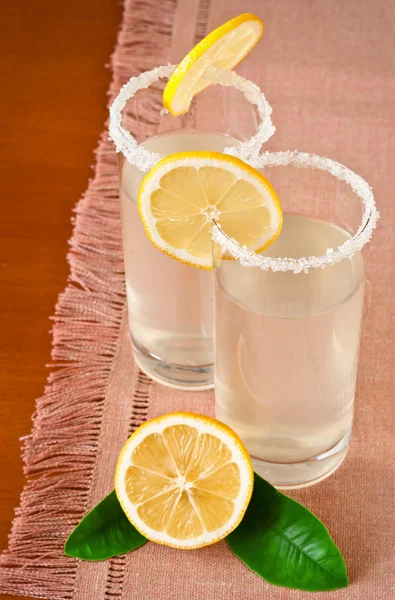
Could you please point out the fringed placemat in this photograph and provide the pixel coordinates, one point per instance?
(95, 395)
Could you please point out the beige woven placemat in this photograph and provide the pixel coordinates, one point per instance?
(328, 70)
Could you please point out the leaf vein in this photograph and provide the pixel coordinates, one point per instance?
(292, 543)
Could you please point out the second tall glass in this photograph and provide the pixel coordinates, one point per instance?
(288, 322)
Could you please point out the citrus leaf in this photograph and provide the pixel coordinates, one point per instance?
(283, 542)
(103, 533)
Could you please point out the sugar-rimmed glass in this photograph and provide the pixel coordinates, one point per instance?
(170, 304)
(288, 321)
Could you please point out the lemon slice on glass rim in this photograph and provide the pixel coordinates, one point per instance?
(184, 480)
(224, 48)
(185, 193)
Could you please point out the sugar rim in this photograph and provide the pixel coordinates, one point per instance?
(361, 188)
(145, 160)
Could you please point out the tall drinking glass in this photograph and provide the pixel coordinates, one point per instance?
(170, 305)
(288, 322)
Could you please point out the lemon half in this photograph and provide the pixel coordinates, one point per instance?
(184, 480)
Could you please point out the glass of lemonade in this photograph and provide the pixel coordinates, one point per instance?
(170, 304)
(288, 322)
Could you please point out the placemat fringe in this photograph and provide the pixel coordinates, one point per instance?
(60, 452)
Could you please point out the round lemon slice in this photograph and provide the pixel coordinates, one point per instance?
(184, 480)
(225, 47)
(182, 196)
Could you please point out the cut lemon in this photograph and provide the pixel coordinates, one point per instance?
(225, 47)
(184, 480)
(185, 192)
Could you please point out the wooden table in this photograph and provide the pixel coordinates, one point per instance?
(53, 107)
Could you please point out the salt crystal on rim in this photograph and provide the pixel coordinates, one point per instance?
(144, 159)
(361, 188)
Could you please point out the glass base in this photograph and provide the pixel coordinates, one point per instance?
(299, 475)
(171, 375)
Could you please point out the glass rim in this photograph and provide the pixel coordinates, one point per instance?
(360, 187)
(144, 159)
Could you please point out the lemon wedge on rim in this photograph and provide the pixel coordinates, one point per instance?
(184, 480)
(182, 196)
(225, 48)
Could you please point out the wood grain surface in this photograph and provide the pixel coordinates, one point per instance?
(53, 107)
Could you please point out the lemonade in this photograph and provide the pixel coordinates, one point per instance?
(288, 302)
(170, 305)
(287, 349)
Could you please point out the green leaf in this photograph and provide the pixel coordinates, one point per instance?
(103, 533)
(286, 544)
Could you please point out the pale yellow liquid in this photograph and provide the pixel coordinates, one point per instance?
(170, 305)
(287, 347)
